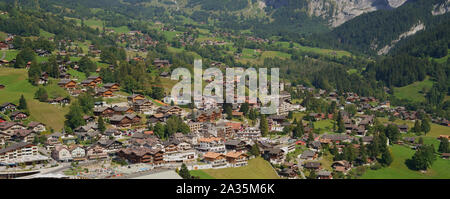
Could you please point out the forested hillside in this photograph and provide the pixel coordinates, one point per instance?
(371, 32)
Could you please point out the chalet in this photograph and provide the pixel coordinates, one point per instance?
(8, 107)
(135, 97)
(235, 145)
(86, 128)
(161, 63)
(110, 145)
(324, 175)
(178, 151)
(53, 139)
(143, 106)
(60, 100)
(308, 155)
(67, 83)
(113, 133)
(211, 144)
(209, 115)
(274, 155)
(104, 92)
(121, 110)
(23, 135)
(64, 75)
(341, 166)
(112, 86)
(312, 165)
(158, 117)
(89, 119)
(142, 155)
(125, 120)
(195, 126)
(215, 159)
(104, 111)
(18, 115)
(336, 138)
(170, 110)
(236, 159)
(96, 152)
(95, 79)
(89, 83)
(68, 139)
(288, 172)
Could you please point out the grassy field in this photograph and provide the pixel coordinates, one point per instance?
(324, 125)
(338, 53)
(398, 169)
(10, 54)
(257, 168)
(17, 84)
(435, 131)
(121, 29)
(255, 57)
(45, 34)
(413, 91)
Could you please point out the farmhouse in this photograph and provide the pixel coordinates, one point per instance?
(95, 79)
(104, 92)
(18, 115)
(89, 83)
(125, 120)
(143, 106)
(112, 86)
(135, 97)
(215, 159)
(342, 166)
(104, 111)
(67, 83)
(236, 159)
(8, 107)
(142, 155)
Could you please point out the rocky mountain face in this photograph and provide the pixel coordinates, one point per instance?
(338, 12)
(442, 8)
(416, 28)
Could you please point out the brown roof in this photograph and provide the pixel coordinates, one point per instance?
(212, 155)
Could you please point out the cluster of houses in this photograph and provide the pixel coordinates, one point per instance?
(11, 110)
(137, 41)
(106, 90)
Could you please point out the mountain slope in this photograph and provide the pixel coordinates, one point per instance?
(378, 32)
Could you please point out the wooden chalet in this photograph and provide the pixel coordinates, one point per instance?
(125, 120)
(67, 84)
(112, 86)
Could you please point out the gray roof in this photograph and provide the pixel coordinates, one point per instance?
(14, 147)
(323, 173)
(307, 154)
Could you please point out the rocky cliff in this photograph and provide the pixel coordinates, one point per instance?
(338, 12)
